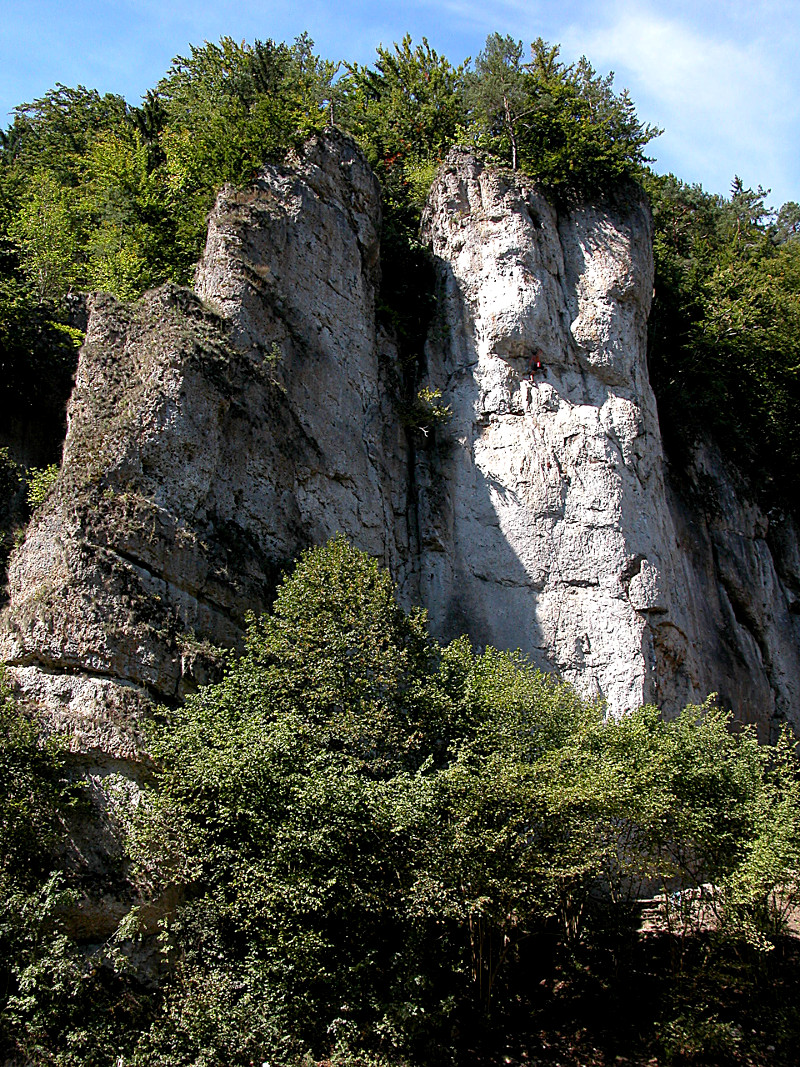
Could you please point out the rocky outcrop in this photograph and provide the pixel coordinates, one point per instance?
(548, 519)
(547, 516)
(211, 439)
(213, 435)
(542, 515)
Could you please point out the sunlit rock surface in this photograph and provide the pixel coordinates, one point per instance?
(546, 517)
(213, 435)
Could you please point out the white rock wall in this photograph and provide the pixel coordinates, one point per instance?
(545, 519)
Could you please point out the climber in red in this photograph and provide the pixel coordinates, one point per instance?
(535, 363)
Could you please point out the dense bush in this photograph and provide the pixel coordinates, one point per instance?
(369, 831)
(385, 850)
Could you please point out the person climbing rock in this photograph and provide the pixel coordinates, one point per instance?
(535, 363)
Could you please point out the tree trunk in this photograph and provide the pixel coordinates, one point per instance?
(510, 124)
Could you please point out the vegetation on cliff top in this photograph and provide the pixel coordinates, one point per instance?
(95, 194)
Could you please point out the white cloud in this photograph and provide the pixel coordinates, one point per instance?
(726, 106)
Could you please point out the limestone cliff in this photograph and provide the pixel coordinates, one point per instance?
(548, 517)
(207, 445)
(213, 435)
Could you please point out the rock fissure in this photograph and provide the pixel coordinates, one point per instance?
(174, 588)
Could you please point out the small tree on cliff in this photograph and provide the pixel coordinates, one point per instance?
(562, 124)
(496, 95)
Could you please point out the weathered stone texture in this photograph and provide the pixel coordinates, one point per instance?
(542, 517)
(545, 516)
(212, 436)
(208, 445)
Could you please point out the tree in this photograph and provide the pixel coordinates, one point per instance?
(724, 330)
(62, 1001)
(275, 809)
(406, 109)
(311, 804)
(564, 125)
(230, 108)
(55, 132)
(787, 223)
(45, 233)
(150, 120)
(496, 93)
(368, 830)
(405, 112)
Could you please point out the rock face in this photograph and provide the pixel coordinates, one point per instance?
(214, 435)
(739, 618)
(547, 518)
(543, 516)
(208, 444)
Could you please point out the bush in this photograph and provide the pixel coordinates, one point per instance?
(369, 829)
(40, 482)
(374, 839)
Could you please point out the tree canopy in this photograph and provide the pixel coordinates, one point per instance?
(371, 831)
(562, 124)
(725, 327)
(99, 195)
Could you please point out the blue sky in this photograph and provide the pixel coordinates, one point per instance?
(721, 77)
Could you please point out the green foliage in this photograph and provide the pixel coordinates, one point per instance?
(497, 96)
(44, 231)
(38, 357)
(61, 1003)
(106, 197)
(564, 125)
(370, 830)
(370, 838)
(725, 328)
(426, 413)
(40, 481)
(55, 132)
(30, 785)
(406, 113)
(10, 479)
(228, 109)
(405, 110)
(129, 218)
(31, 788)
(787, 224)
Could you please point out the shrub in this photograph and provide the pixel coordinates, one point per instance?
(40, 481)
(369, 828)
